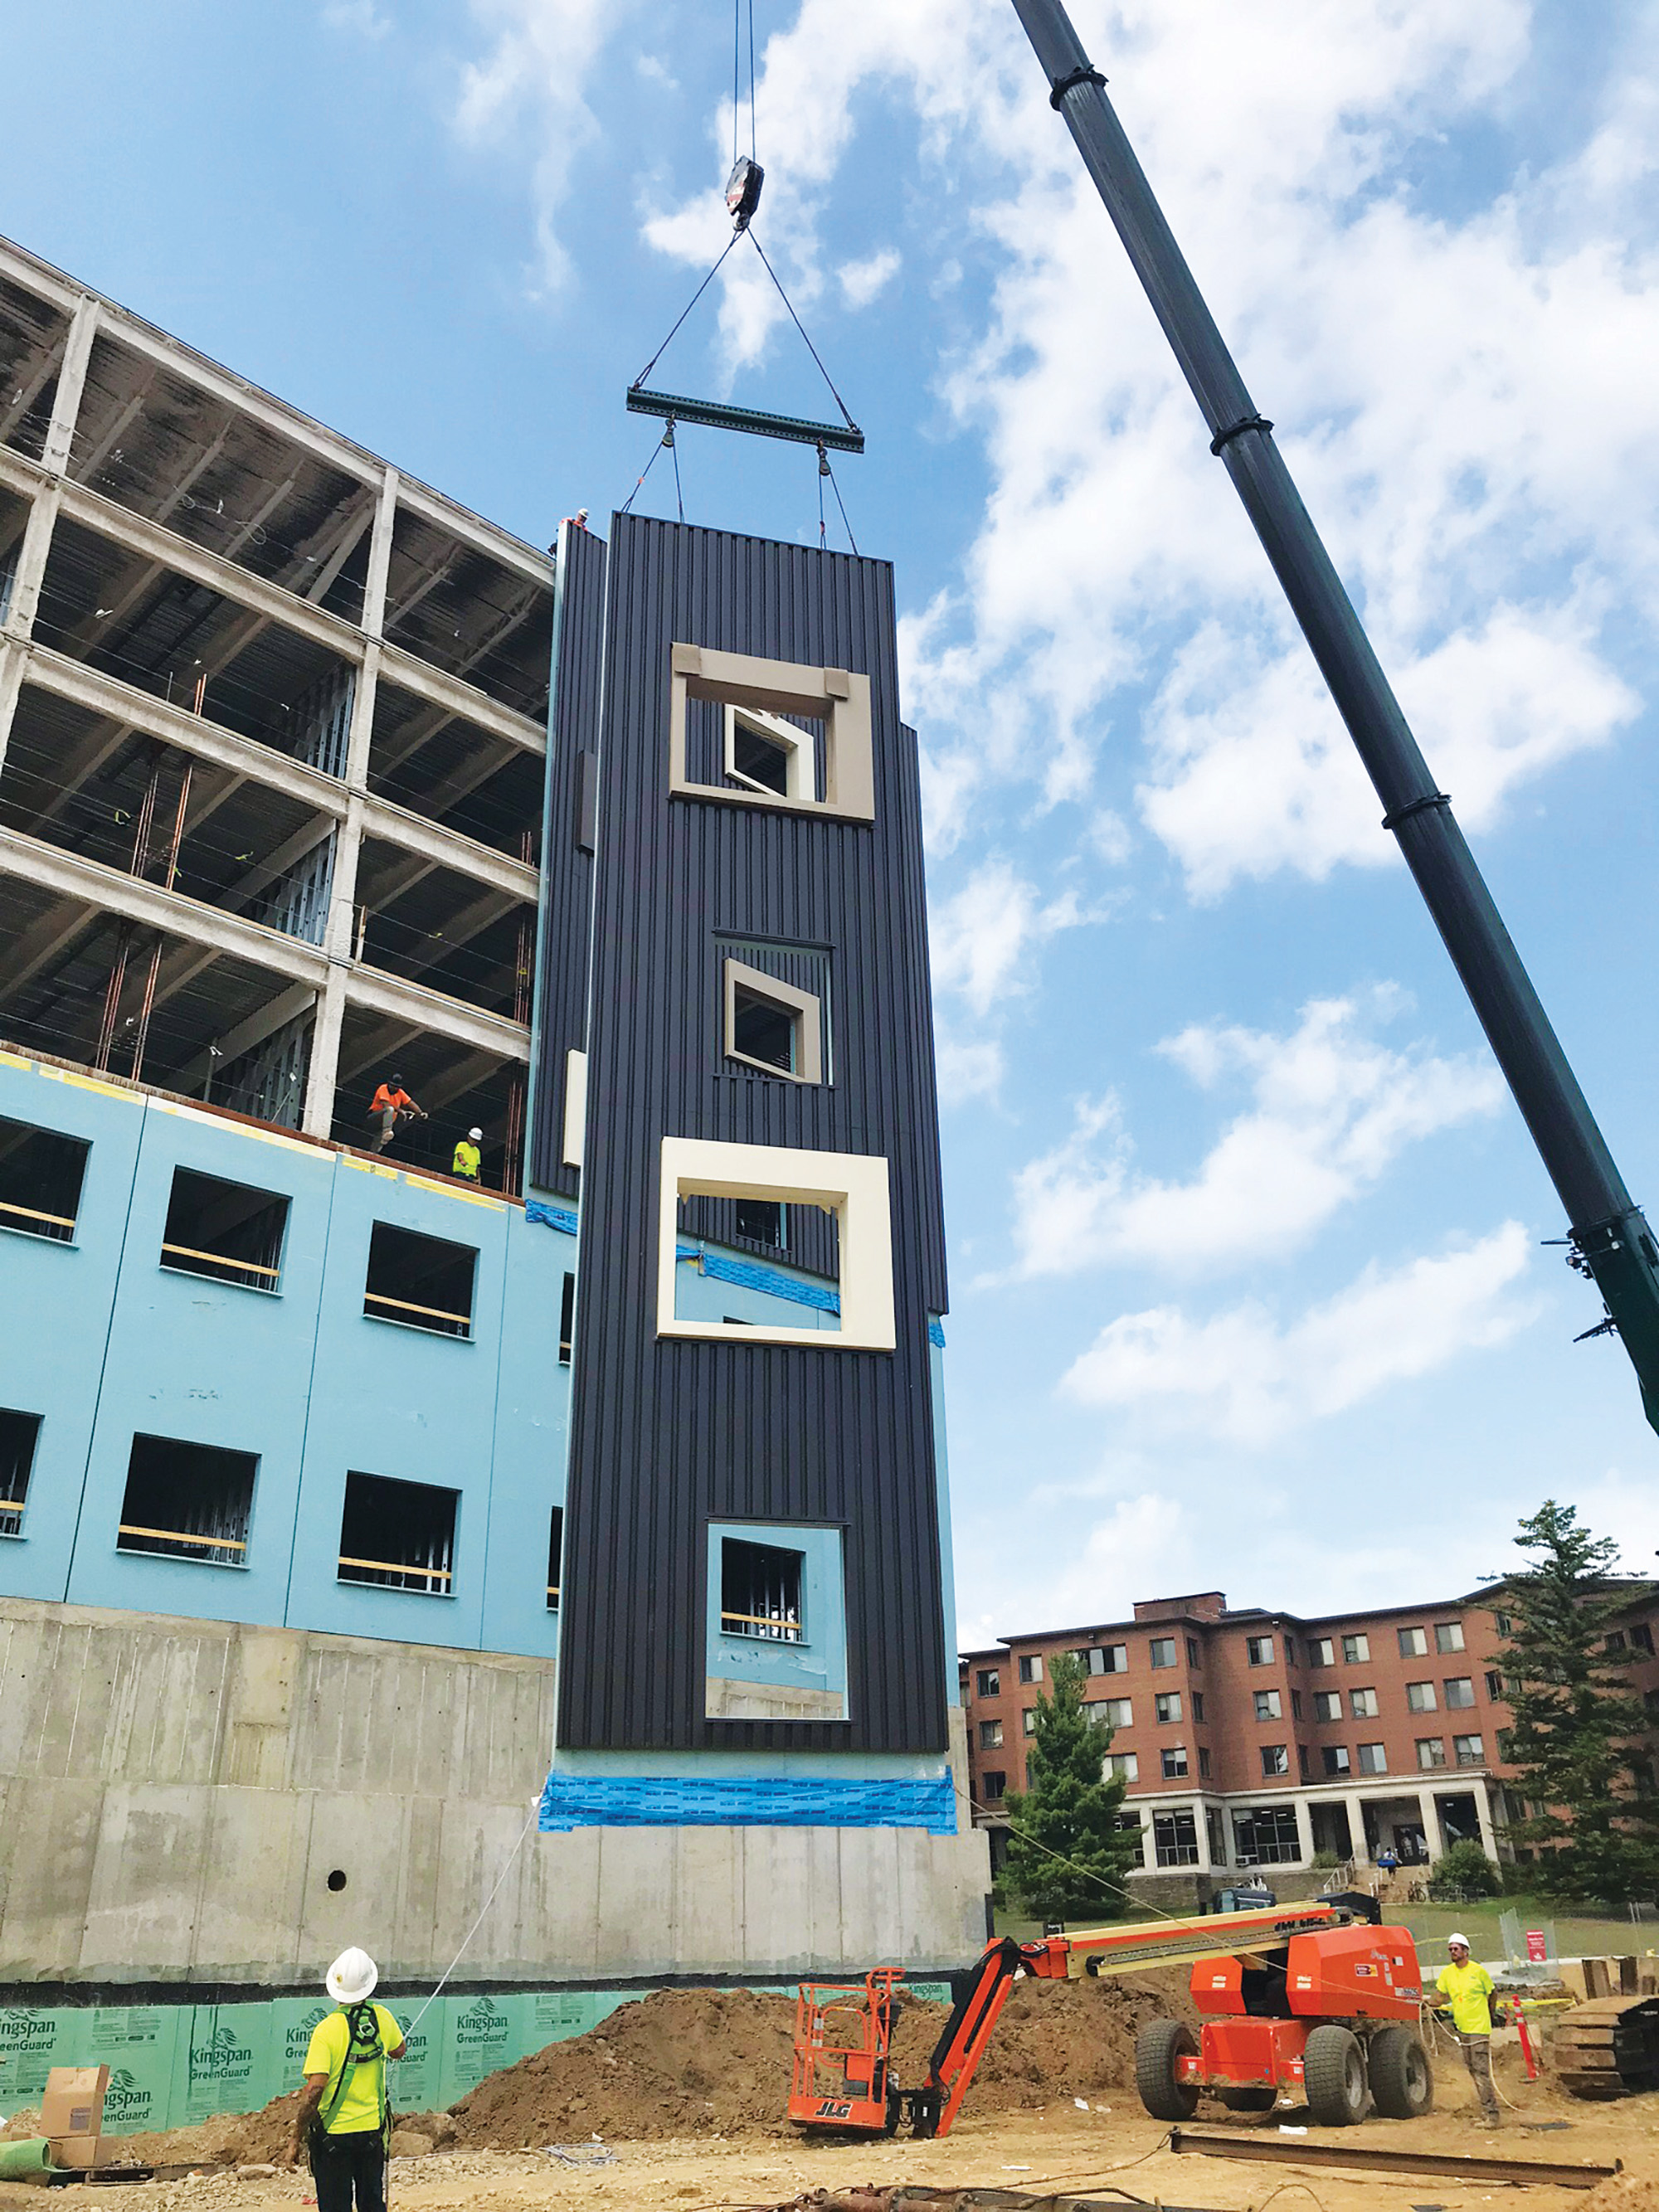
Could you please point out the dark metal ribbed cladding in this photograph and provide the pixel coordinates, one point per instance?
(567, 870)
(666, 1435)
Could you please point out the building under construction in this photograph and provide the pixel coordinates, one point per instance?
(342, 1497)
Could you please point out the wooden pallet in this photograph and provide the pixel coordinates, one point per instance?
(1608, 2048)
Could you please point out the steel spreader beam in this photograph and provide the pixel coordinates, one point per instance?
(1609, 1235)
(716, 416)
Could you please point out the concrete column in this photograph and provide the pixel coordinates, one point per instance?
(1483, 1813)
(60, 433)
(1201, 1821)
(14, 660)
(1431, 1817)
(1356, 1847)
(1304, 1841)
(318, 1118)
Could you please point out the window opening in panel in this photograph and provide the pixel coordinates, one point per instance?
(19, 1435)
(420, 1282)
(555, 1555)
(185, 1501)
(226, 1232)
(398, 1535)
(763, 1220)
(41, 1172)
(760, 1591)
(567, 1320)
(765, 1029)
(764, 753)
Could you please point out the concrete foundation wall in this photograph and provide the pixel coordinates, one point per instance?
(175, 1794)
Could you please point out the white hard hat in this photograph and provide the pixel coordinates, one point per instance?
(476, 1134)
(352, 1976)
(1455, 1938)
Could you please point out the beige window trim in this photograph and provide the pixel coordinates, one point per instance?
(835, 695)
(575, 1107)
(853, 1186)
(807, 1007)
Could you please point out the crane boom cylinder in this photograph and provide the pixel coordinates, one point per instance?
(1611, 1239)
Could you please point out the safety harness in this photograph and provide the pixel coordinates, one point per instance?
(364, 2047)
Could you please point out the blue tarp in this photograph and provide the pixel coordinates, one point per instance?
(760, 1801)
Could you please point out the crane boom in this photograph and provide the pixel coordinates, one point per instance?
(1609, 1238)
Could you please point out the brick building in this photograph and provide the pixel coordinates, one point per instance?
(1253, 1740)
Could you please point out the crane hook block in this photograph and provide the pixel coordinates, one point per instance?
(743, 190)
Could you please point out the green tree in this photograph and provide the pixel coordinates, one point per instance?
(1068, 1858)
(1466, 1866)
(1577, 1732)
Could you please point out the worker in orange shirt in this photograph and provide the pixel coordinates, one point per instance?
(391, 1104)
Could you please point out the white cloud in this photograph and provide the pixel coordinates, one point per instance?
(981, 934)
(529, 85)
(1241, 1377)
(861, 281)
(968, 1068)
(362, 16)
(1329, 1109)
(1144, 1545)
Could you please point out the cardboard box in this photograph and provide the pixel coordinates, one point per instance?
(77, 2152)
(74, 2102)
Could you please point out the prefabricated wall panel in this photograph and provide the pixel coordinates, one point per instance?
(667, 1435)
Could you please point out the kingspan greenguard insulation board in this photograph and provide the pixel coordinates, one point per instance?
(173, 2064)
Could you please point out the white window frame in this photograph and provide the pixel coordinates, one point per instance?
(800, 754)
(853, 1186)
(805, 1007)
(765, 689)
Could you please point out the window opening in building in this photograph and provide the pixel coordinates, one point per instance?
(1468, 1750)
(1414, 1644)
(19, 1435)
(400, 1535)
(1266, 1704)
(1198, 1704)
(1204, 1761)
(1449, 1636)
(1266, 1837)
(420, 1282)
(41, 1172)
(990, 1682)
(1361, 1704)
(1275, 1758)
(1289, 1651)
(1322, 1652)
(1193, 1654)
(1216, 1826)
(1175, 1839)
(186, 1501)
(1501, 1622)
(1175, 1762)
(771, 755)
(990, 1735)
(1166, 1705)
(566, 1319)
(1373, 1758)
(1460, 1692)
(765, 1029)
(1116, 1712)
(1259, 1650)
(993, 1786)
(1296, 1705)
(1497, 1688)
(555, 1553)
(761, 1592)
(1420, 1697)
(1335, 1756)
(1328, 1704)
(1114, 1659)
(1641, 1637)
(1162, 1650)
(1430, 1751)
(1355, 1649)
(1615, 1641)
(1125, 1763)
(1030, 1667)
(1302, 1760)
(226, 1232)
(762, 1221)
(1028, 1720)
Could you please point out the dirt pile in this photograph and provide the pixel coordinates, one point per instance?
(716, 2062)
(1624, 2192)
(232, 2139)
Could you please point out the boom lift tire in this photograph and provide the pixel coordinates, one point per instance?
(1333, 2076)
(1403, 2082)
(1247, 2101)
(1158, 2047)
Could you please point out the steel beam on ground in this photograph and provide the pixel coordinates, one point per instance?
(1450, 2165)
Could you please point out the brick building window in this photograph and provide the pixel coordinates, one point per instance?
(1266, 1703)
(1275, 1758)
(1116, 1712)
(1166, 1705)
(1460, 1693)
(990, 1682)
(1193, 1652)
(1175, 1839)
(1355, 1649)
(1336, 1759)
(990, 1735)
(1468, 1751)
(1430, 1751)
(1497, 1688)
(1173, 1758)
(1373, 1758)
(1030, 1667)
(1328, 1704)
(1204, 1761)
(1028, 1720)
(1502, 1622)
(1124, 1763)
(1198, 1704)
(1362, 1705)
(993, 1787)
(1289, 1651)
(1420, 1697)
(1322, 1652)
(1447, 1636)
(1414, 1644)
(1114, 1658)
(1259, 1650)
(1161, 1651)
(1641, 1637)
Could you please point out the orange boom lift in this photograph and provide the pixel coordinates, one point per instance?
(1316, 2000)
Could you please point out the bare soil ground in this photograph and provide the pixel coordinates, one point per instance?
(686, 2090)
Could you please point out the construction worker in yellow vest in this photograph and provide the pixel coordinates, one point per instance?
(1465, 1989)
(344, 2119)
(468, 1157)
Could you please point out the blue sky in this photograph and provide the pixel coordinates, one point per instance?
(1249, 1283)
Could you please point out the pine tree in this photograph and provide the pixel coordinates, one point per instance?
(1578, 1731)
(1068, 1858)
